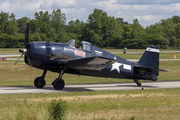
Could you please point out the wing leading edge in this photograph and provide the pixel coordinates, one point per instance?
(90, 63)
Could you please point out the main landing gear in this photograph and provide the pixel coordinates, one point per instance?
(137, 82)
(39, 82)
(58, 83)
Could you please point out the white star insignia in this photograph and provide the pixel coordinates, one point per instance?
(115, 66)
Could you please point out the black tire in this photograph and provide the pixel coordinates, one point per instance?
(58, 84)
(36, 81)
(139, 84)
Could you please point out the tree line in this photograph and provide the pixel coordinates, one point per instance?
(106, 31)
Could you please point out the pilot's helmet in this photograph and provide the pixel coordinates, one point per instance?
(80, 43)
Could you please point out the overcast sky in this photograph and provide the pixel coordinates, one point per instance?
(146, 11)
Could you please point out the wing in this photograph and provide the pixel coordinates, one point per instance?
(90, 63)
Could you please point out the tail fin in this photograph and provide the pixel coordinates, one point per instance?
(148, 65)
(150, 60)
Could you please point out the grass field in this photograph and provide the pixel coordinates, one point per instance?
(22, 74)
(138, 55)
(161, 104)
(4, 51)
(9, 51)
(136, 50)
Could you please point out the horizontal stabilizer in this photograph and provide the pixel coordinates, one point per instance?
(164, 70)
(149, 69)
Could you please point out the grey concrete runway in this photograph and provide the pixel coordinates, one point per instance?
(90, 87)
(17, 55)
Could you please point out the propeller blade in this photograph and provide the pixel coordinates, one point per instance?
(28, 60)
(26, 41)
(19, 59)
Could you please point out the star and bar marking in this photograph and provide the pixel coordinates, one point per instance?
(116, 66)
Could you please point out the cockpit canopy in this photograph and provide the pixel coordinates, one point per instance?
(85, 46)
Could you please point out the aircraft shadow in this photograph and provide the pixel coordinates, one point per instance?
(75, 89)
(66, 89)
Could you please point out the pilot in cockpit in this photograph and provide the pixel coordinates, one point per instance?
(79, 46)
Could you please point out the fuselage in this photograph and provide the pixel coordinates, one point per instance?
(44, 54)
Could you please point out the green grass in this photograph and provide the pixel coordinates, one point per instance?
(22, 74)
(4, 51)
(105, 105)
(138, 55)
(7, 51)
(126, 104)
(169, 55)
(136, 50)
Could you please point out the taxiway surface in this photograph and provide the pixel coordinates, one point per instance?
(90, 87)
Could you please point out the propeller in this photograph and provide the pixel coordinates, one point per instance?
(26, 41)
(19, 58)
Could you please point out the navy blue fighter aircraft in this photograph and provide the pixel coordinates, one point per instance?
(86, 59)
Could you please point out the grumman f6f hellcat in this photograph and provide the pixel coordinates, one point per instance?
(86, 59)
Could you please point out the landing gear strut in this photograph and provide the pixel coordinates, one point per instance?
(59, 83)
(39, 82)
(137, 82)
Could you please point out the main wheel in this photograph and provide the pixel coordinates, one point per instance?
(58, 84)
(36, 82)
